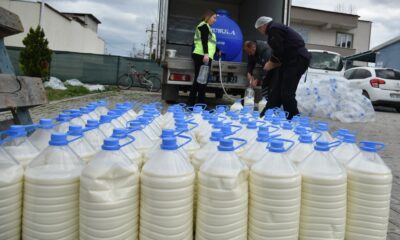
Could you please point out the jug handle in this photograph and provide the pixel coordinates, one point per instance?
(132, 139)
(244, 142)
(319, 135)
(334, 144)
(283, 140)
(378, 146)
(262, 123)
(195, 125)
(238, 128)
(272, 126)
(189, 139)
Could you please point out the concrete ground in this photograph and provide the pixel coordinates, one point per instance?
(386, 129)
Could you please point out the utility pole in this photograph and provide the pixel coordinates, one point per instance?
(151, 37)
(144, 50)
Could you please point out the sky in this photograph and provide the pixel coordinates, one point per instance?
(124, 22)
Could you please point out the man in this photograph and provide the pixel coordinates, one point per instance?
(290, 54)
(259, 52)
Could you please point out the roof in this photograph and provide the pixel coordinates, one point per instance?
(385, 44)
(326, 11)
(84, 14)
(368, 56)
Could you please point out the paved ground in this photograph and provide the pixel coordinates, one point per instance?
(386, 129)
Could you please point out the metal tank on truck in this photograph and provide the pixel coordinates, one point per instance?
(229, 37)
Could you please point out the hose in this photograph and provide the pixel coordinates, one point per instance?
(222, 84)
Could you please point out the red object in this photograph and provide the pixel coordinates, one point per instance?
(376, 82)
(179, 77)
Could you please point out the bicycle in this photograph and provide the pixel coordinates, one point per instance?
(144, 79)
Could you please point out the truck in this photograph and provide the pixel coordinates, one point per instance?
(177, 22)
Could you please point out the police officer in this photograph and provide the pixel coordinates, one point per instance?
(205, 47)
(290, 54)
(259, 52)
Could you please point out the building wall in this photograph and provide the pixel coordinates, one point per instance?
(62, 33)
(361, 36)
(389, 56)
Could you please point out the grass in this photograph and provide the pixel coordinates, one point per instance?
(72, 91)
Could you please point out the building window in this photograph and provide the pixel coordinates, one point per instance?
(344, 40)
(302, 31)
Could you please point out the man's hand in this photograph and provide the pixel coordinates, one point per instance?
(254, 83)
(271, 65)
(249, 77)
(206, 59)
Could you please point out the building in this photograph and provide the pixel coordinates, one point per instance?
(73, 32)
(332, 31)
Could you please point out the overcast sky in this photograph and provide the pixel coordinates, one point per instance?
(124, 22)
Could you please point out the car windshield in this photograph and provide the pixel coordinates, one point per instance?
(326, 61)
(388, 74)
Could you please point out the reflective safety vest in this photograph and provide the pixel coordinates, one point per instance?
(212, 41)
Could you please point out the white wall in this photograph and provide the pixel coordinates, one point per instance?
(62, 33)
(362, 36)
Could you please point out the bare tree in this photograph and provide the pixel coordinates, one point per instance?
(343, 8)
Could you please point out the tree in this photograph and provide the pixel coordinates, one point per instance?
(35, 58)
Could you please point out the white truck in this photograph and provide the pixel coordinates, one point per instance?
(177, 22)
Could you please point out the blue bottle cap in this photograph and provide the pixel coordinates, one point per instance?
(46, 123)
(244, 120)
(300, 130)
(102, 103)
(349, 138)
(75, 130)
(169, 143)
(91, 123)
(256, 114)
(167, 133)
(305, 138)
(74, 113)
(263, 136)
(252, 125)
(226, 129)
(58, 139)
(17, 131)
(276, 121)
(63, 117)
(322, 146)
(119, 133)
(85, 110)
(197, 109)
(287, 126)
(91, 107)
(111, 144)
(216, 136)
(226, 145)
(128, 104)
(135, 124)
(369, 146)
(105, 119)
(217, 125)
(276, 146)
(322, 126)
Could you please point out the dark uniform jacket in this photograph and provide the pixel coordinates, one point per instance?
(262, 55)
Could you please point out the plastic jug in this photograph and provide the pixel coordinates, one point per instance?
(92, 110)
(193, 146)
(85, 114)
(222, 196)
(51, 193)
(105, 125)
(323, 127)
(148, 129)
(369, 193)
(166, 203)
(249, 97)
(275, 195)
(19, 146)
(237, 106)
(144, 143)
(76, 119)
(131, 114)
(115, 121)
(256, 151)
(347, 150)
(62, 123)
(94, 135)
(301, 150)
(41, 136)
(81, 145)
(207, 150)
(129, 149)
(249, 134)
(262, 103)
(11, 190)
(121, 115)
(202, 78)
(102, 107)
(109, 195)
(287, 131)
(324, 188)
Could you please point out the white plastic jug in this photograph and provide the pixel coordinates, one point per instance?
(41, 136)
(249, 133)
(369, 192)
(256, 151)
(347, 150)
(76, 119)
(166, 201)
(92, 110)
(301, 150)
(129, 150)
(262, 103)
(287, 131)
(324, 188)
(81, 145)
(193, 146)
(86, 114)
(222, 196)
(144, 143)
(11, 190)
(236, 106)
(249, 97)
(102, 107)
(19, 146)
(105, 125)
(51, 193)
(109, 195)
(323, 127)
(115, 119)
(204, 153)
(94, 135)
(275, 195)
(62, 123)
(131, 114)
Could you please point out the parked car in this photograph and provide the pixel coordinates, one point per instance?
(380, 85)
(325, 63)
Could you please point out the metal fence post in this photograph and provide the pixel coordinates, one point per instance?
(117, 75)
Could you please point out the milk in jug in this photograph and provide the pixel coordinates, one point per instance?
(51, 194)
(19, 146)
(80, 145)
(301, 150)
(257, 150)
(323, 128)
(109, 195)
(102, 107)
(41, 136)
(166, 199)
(275, 196)
(11, 190)
(222, 196)
(207, 150)
(94, 135)
(347, 150)
(369, 191)
(324, 188)
(262, 103)
(237, 106)
(76, 119)
(62, 123)
(144, 143)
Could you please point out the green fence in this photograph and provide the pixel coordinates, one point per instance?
(88, 68)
